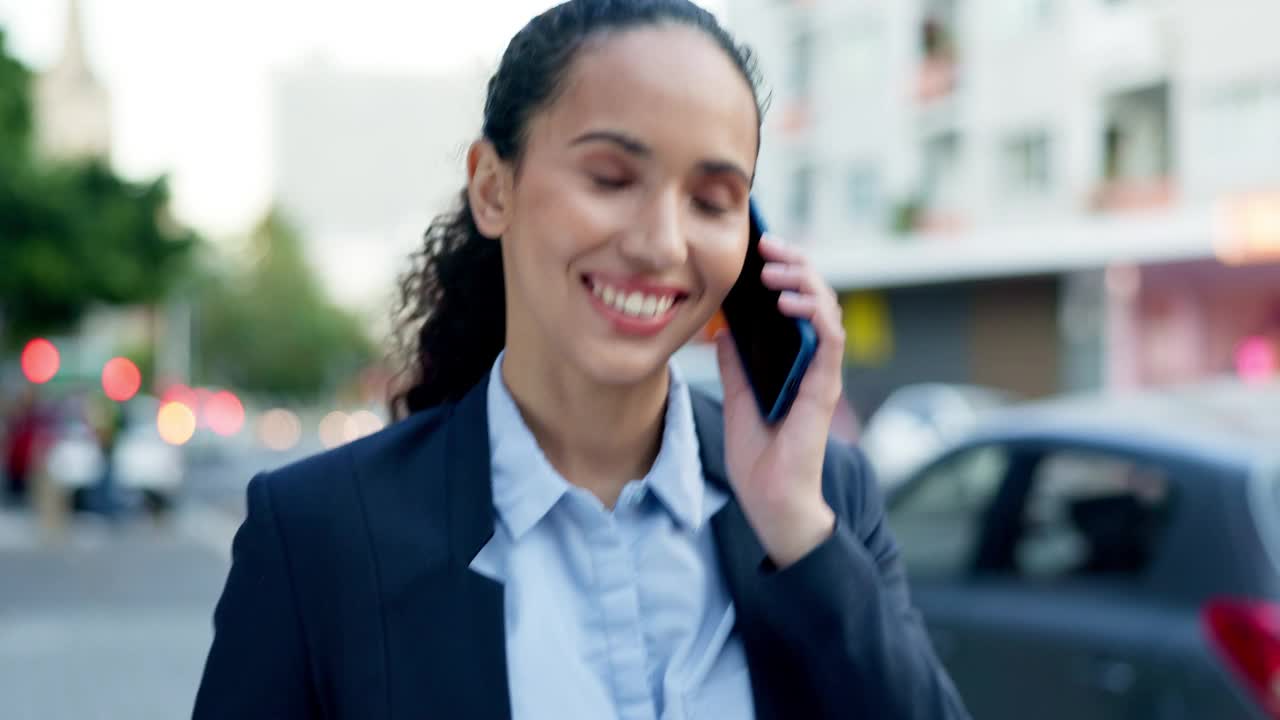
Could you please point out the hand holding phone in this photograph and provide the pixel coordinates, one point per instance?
(775, 350)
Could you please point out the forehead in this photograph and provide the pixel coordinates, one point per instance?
(670, 86)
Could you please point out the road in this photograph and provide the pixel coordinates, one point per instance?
(113, 621)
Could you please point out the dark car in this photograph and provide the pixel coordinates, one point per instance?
(1106, 558)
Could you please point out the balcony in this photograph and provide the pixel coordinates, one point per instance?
(936, 79)
(1134, 195)
(1137, 156)
(936, 76)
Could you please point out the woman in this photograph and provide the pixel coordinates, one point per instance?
(559, 528)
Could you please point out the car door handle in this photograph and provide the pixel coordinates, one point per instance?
(1114, 677)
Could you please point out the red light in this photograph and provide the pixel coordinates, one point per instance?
(1248, 636)
(121, 379)
(225, 413)
(40, 361)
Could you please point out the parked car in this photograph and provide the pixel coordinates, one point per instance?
(142, 461)
(916, 421)
(1106, 558)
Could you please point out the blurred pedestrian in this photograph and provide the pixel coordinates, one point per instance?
(23, 440)
(560, 528)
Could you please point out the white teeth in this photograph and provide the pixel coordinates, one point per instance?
(637, 304)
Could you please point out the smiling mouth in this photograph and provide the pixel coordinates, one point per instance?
(637, 304)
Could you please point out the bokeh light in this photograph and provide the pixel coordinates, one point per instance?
(224, 413)
(333, 429)
(201, 406)
(279, 429)
(176, 423)
(121, 379)
(40, 361)
(1256, 359)
(360, 424)
(182, 394)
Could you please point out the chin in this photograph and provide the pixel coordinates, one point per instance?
(622, 365)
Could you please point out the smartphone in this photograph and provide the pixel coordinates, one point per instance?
(775, 349)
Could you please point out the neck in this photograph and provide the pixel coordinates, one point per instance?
(598, 437)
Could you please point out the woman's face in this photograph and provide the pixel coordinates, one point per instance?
(626, 223)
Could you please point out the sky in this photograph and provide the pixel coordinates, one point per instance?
(189, 79)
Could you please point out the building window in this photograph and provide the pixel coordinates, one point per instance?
(863, 193)
(1135, 138)
(1026, 162)
(801, 205)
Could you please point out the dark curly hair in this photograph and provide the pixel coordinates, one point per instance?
(450, 321)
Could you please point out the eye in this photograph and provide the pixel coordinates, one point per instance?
(713, 209)
(610, 182)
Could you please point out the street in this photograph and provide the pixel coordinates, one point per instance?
(114, 622)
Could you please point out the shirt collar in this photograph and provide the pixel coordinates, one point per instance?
(526, 486)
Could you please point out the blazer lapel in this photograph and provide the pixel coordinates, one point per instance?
(446, 634)
(775, 687)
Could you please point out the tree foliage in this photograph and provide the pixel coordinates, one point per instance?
(271, 330)
(73, 234)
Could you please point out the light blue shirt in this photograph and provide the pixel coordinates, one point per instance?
(617, 614)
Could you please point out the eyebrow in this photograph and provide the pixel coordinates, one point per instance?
(635, 147)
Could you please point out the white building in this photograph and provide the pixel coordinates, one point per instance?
(363, 162)
(1029, 193)
(72, 109)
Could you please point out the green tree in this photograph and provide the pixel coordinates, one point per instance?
(272, 330)
(15, 108)
(73, 234)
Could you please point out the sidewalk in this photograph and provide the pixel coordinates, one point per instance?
(110, 622)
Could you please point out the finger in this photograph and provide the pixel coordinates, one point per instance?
(798, 305)
(782, 276)
(732, 377)
(772, 248)
(824, 378)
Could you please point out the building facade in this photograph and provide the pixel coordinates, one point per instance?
(1040, 195)
(72, 108)
(362, 162)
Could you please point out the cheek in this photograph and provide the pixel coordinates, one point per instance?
(567, 220)
(720, 264)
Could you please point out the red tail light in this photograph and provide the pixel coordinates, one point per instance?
(1247, 633)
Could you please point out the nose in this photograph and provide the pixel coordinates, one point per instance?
(657, 242)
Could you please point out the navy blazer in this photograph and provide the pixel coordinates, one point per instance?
(350, 594)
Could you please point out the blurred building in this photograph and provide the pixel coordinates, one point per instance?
(363, 161)
(72, 108)
(1037, 195)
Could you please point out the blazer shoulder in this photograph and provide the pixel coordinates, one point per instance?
(319, 490)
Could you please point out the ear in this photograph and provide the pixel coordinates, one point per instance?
(489, 188)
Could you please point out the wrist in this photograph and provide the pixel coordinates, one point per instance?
(788, 535)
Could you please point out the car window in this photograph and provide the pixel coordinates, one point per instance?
(1091, 514)
(938, 519)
